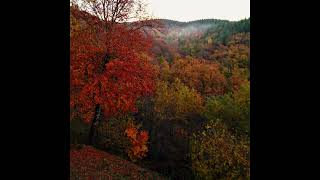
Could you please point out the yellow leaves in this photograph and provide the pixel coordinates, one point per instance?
(175, 100)
(215, 151)
(144, 148)
(165, 70)
(209, 41)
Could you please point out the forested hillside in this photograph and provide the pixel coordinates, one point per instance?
(172, 97)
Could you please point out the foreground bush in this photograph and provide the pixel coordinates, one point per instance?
(138, 140)
(216, 154)
(123, 137)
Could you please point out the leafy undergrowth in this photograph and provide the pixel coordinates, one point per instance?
(88, 163)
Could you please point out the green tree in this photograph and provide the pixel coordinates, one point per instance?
(232, 108)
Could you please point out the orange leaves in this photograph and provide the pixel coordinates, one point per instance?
(131, 132)
(204, 76)
(138, 141)
(144, 136)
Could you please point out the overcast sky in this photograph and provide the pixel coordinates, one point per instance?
(188, 10)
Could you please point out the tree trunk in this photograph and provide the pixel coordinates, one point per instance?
(97, 115)
(94, 123)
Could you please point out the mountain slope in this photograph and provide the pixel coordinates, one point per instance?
(89, 163)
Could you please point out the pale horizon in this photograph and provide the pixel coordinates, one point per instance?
(190, 10)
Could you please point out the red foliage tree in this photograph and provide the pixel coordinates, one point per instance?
(107, 71)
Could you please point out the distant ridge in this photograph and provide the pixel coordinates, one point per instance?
(173, 23)
(199, 20)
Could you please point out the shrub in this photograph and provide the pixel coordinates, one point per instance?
(216, 154)
(122, 136)
(138, 141)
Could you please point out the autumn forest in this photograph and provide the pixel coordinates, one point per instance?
(156, 98)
